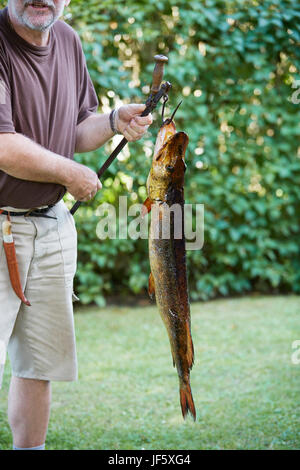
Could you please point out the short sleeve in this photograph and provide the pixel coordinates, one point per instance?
(6, 120)
(88, 101)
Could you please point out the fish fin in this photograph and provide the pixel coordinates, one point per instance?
(186, 400)
(146, 207)
(151, 286)
(190, 347)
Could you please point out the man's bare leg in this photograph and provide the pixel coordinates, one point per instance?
(29, 411)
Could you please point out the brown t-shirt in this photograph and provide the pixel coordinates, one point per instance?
(45, 92)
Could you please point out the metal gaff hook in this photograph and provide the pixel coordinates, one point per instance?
(165, 98)
(169, 120)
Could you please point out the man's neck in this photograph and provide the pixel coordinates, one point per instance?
(36, 38)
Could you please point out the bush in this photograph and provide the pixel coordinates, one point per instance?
(234, 63)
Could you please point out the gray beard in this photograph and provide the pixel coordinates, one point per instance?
(43, 26)
(36, 27)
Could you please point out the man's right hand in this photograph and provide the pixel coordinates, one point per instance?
(84, 182)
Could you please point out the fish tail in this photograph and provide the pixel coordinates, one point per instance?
(186, 400)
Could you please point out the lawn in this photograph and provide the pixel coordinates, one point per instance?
(246, 388)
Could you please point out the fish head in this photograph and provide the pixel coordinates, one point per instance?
(168, 165)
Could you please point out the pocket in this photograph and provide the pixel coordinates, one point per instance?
(68, 241)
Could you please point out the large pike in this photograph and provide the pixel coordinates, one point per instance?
(168, 278)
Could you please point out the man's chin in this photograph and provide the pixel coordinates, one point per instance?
(39, 22)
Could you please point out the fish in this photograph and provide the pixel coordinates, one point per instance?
(167, 254)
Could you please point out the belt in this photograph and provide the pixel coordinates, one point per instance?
(31, 213)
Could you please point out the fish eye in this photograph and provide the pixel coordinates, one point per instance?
(170, 168)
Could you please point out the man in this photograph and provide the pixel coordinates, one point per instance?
(47, 112)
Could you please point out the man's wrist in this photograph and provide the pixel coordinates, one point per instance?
(66, 171)
(113, 120)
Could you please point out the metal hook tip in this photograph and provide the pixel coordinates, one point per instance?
(175, 110)
(169, 120)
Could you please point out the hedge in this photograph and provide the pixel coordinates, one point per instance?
(234, 64)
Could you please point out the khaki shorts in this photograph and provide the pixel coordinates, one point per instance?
(40, 339)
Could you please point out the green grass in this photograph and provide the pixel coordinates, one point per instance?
(245, 387)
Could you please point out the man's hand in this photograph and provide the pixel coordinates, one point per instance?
(84, 182)
(129, 122)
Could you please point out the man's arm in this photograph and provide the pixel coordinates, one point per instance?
(24, 159)
(94, 131)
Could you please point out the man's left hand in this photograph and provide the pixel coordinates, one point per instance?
(129, 122)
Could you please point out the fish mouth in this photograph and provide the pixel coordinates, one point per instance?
(173, 151)
(166, 131)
